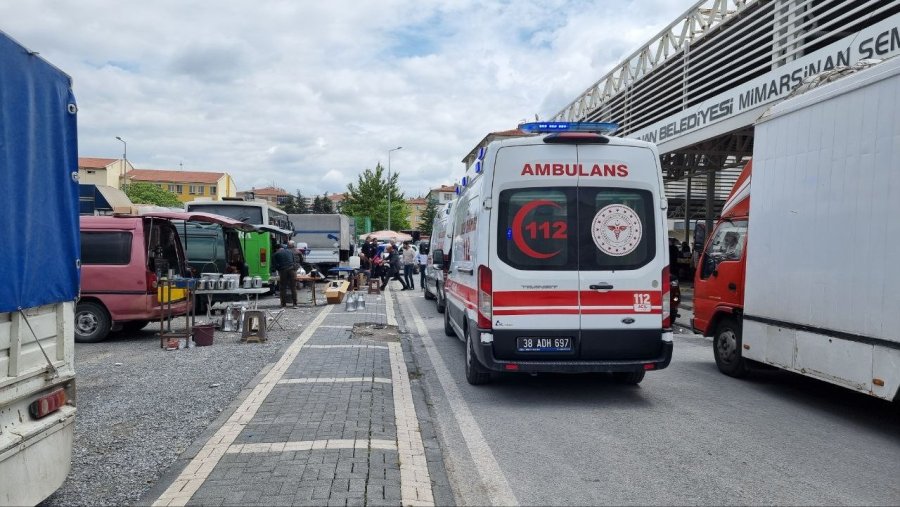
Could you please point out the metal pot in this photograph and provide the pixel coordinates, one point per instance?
(257, 282)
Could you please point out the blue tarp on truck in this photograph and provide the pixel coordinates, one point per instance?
(39, 235)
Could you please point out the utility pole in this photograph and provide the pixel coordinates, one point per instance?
(389, 185)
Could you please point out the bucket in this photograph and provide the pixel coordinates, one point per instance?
(203, 334)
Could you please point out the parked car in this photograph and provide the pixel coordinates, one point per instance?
(122, 258)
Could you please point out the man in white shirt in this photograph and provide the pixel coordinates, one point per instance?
(408, 260)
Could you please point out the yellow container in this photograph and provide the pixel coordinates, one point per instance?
(164, 294)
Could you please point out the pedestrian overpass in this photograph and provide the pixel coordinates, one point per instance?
(696, 88)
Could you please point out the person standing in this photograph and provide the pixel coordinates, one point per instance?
(369, 247)
(393, 268)
(422, 261)
(283, 262)
(409, 265)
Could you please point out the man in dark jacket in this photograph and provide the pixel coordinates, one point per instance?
(369, 247)
(394, 268)
(283, 262)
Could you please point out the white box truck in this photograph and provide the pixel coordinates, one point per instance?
(822, 234)
(327, 236)
(39, 272)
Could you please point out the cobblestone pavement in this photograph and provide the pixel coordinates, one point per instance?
(333, 422)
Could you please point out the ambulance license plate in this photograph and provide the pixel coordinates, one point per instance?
(535, 344)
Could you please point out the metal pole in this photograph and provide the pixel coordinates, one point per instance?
(389, 185)
(687, 212)
(124, 160)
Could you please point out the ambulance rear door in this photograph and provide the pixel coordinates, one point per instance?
(621, 254)
(534, 254)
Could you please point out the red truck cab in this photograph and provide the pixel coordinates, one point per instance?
(719, 279)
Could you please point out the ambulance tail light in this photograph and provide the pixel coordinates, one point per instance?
(485, 297)
(666, 303)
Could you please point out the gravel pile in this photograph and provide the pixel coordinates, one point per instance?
(139, 406)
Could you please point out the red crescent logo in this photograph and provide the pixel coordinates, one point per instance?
(517, 229)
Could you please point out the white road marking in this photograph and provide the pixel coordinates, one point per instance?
(331, 380)
(337, 327)
(415, 481)
(349, 346)
(310, 445)
(495, 483)
(196, 472)
(389, 309)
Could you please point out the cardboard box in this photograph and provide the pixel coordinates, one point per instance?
(336, 291)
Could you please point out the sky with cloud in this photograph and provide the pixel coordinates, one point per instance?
(306, 95)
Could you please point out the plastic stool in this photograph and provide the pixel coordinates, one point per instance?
(374, 285)
(254, 326)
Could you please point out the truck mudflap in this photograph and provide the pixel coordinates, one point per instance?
(485, 351)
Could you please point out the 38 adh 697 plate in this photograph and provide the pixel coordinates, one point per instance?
(537, 344)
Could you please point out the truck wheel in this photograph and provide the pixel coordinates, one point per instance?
(629, 377)
(727, 349)
(134, 325)
(448, 329)
(92, 322)
(476, 374)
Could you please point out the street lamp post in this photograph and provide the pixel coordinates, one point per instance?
(124, 160)
(389, 185)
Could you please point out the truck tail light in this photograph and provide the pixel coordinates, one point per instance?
(666, 303)
(263, 256)
(48, 404)
(485, 297)
(151, 282)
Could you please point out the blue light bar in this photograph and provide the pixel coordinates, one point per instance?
(544, 127)
(477, 167)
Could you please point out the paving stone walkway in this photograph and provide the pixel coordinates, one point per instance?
(331, 423)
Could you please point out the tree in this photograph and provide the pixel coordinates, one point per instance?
(327, 205)
(141, 192)
(428, 216)
(369, 198)
(300, 206)
(289, 204)
(317, 205)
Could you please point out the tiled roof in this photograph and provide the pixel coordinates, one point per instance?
(337, 197)
(173, 176)
(444, 188)
(95, 163)
(273, 191)
(417, 200)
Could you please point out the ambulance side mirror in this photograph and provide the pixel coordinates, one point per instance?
(437, 257)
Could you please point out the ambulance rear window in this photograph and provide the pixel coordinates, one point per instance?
(616, 228)
(534, 228)
(568, 228)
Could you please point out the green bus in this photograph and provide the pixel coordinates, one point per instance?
(257, 246)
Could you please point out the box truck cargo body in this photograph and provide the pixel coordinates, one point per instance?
(327, 236)
(820, 291)
(39, 268)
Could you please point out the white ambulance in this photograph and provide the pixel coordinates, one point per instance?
(434, 273)
(559, 258)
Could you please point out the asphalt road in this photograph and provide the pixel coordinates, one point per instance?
(686, 435)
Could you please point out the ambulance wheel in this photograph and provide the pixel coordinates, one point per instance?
(441, 301)
(476, 374)
(92, 323)
(727, 349)
(629, 377)
(448, 329)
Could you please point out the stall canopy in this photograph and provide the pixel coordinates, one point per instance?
(196, 216)
(387, 236)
